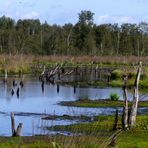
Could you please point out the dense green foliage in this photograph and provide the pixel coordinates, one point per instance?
(32, 37)
(114, 97)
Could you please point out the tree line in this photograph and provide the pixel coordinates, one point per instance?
(30, 36)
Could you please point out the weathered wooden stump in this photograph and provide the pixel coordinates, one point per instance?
(15, 132)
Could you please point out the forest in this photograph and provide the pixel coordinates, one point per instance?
(30, 36)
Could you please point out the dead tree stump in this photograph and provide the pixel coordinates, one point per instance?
(17, 131)
(125, 108)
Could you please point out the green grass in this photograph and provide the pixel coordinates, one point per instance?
(130, 139)
(102, 129)
(25, 142)
(102, 123)
(119, 83)
(126, 139)
(57, 141)
(99, 103)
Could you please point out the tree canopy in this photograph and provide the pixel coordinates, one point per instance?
(30, 36)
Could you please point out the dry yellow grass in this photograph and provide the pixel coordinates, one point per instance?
(59, 58)
(16, 63)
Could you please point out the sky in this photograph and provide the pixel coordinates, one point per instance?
(66, 11)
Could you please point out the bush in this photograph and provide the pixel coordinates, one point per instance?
(114, 97)
(116, 83)
(116, 74)
(131, 75)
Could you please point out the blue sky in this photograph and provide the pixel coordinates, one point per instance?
(65, 11)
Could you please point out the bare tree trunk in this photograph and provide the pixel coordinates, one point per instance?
(118, 42)
(68, 41)
(125, 108)
(133, 113)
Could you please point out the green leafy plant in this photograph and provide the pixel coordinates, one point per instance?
(114, 97)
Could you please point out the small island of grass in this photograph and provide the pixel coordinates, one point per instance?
(99, 103)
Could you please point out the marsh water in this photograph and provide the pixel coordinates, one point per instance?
(34, 102)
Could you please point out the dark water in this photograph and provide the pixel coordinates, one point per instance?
(34, 102)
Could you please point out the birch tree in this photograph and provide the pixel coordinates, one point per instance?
(134, 107)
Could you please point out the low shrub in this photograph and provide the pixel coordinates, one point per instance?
(114, 97)
(117, 74)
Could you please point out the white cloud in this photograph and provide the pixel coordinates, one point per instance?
(31, 15)
(115, 19)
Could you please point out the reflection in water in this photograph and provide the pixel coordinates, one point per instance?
(21, 83)
(42, 86)
(14, 83)
(18, 92)
(74, 89)
(38, 99)
(58, 88)
(12, 92)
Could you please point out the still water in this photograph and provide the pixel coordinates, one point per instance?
(34, 102)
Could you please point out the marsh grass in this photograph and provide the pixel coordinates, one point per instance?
(24, 63)
(99, 133)
(99, 103)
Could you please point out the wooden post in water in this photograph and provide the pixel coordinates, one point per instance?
(19, 127)
(15, 132)
(12, 124)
